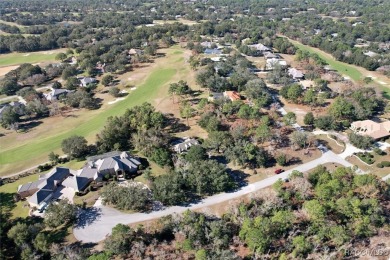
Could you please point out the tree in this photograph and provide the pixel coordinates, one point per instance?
(169, 189)
(68, 72)
(114, 91)
(187, 111)
(72, 83)
(61, 56)
(61, 213)
(134, 196)
(360, 141)
(42, 242)
(107, 80)
(8, 86)
(290, 118)
(281, 159)
(263, 132)
(299, 139)
(161, 156)
(301, 246)
(37, 108)
(308, 119)
(196, 153)
(54, 157)
(9, 117)
(120, 241)
(56, 85)
(75, 146)
(208, 177)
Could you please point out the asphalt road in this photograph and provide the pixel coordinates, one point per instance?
(97, 223)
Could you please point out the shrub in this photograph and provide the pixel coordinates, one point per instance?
(385, 163)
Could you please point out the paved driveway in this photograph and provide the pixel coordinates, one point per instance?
(97, 223)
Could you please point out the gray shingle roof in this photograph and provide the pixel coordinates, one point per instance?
(75, 182)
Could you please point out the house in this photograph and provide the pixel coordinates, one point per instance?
(260, 47)
(184, 144)
(55, 93)
(133, 52)
(271, 63)
(41, 191)
(86, 80)
(206, 44)
(114, 163)
(215, 96)
(371, 128)
(213, 52)
(295, 74)
(17, 106)
(269, 55)
(370, 54)
(232, 95)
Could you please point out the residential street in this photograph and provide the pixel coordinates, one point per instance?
(97, 223)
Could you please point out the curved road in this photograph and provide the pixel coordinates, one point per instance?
(97, 223)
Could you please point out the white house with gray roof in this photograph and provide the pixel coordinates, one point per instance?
(55, 93)
(184, 144)
(41, 192)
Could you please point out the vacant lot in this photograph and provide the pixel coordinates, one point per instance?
(20, 151)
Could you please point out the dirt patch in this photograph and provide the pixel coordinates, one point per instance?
(5, 70)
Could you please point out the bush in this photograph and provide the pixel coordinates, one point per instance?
(366, 157)
(385, 163)
(379, 151)
(379, 165)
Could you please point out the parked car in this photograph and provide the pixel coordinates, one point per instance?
(277, 171)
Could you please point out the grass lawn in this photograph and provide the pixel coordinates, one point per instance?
(16, 58)
(7, 191)
(35, 150)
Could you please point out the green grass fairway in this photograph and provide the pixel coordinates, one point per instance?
(31, 57)
(39, 147)
(341, 67)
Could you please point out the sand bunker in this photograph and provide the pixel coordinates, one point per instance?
(116, 100)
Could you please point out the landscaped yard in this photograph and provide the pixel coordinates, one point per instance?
(330, 144)
(27, 150)
(7, 204)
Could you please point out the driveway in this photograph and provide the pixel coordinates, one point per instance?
(97, 223)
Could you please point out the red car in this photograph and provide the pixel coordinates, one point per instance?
(277, 171)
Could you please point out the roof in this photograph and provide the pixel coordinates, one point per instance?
(29, 186)
(212, 51)
(185, 144)
(40, 196)
(259, 47)
(272, 62)
(87, 172)
(371, 128)
(296, 74)
(270, 55)
(56, 174)
(232, 95)
(55, 92)
(206, 44)
(114, 160)
(87, 80)
(76, 182)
